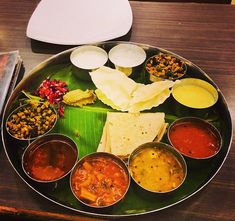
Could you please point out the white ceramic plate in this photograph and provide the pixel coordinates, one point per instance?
(74, 22)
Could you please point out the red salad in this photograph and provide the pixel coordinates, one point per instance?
(53, 91)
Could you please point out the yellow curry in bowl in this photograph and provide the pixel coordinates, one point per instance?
(195, 93)
(157, 168)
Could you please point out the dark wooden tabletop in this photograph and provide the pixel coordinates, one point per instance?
(202, 33)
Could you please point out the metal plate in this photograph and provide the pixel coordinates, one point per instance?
(135, 202)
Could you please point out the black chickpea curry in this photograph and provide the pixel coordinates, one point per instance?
(31, 120)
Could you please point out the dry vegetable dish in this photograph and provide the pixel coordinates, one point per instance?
(165, 66)
(31, 120)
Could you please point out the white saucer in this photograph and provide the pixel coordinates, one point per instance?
(75, 22)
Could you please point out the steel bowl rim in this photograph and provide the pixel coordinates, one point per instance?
(200, 120)
(198, 80)
(167, 147)
(128, 43)
(31, 138)
(62, 137)
(74, 50)
(162, 78)
(118, 160)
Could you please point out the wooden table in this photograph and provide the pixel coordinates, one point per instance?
(202, 33)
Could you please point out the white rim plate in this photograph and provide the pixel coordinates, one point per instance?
(75, 22)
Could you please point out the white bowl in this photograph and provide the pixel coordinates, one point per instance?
(126, 57)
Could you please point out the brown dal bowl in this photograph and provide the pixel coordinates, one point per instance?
(157, 168)
(49, 158)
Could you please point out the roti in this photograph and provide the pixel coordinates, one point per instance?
(123, 132)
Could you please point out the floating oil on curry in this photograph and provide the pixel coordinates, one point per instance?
(50, 160)
(157, 170)
(194, 139)
(99, 181)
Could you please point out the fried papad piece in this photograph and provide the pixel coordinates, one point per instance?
(79, 97)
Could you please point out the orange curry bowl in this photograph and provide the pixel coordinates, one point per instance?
(100, 180)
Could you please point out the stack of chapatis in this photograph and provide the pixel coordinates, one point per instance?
(123, 132)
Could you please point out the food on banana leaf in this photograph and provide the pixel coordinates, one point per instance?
(123, 132)
(114, 85)
(115, 89)
(79, 97)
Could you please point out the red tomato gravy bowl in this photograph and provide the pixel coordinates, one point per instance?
(49, 158)
(100, 180)
(195, 138)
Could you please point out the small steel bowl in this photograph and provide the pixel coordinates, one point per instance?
(192, 156)
(49, 158)
(193, 97)
(192, 93)
(87, 58)
(19, 121)
(127, 58)
(146, 164)
(157, 64)
(91, 172)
